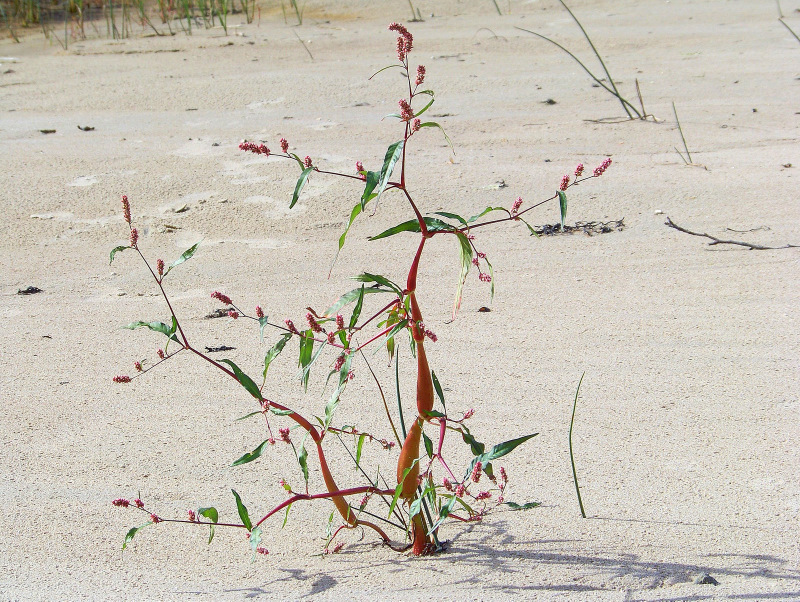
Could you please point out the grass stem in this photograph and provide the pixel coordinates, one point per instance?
(571, 455)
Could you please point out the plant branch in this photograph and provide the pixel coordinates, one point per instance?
(719, 241)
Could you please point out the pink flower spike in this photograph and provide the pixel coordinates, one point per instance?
(483, 495)
(262, 550)
(155, 518)
(447, 484)
(339, 322)
(331, 338)
(485, 278)
(420, 75)
(122, 379)
(476, 472)
(460, 490)
(351, 375)
(161, 354)
(338, 547)
(284, 145)
(192, 516)
(469, 414)
(126, 209)
(160, 267)
(416, 125)
(359, 166)
(337, 365)
(579, 170)
(138, 366)
(406, 114)
(284, 432)
(564, 183)
(134, 237)
(290, 325)
(222, 298)
(121, 503)
(307, 162)
(139, 503)
(475, 261)
(312, 323)
(517, 204)
(233, 314)
(431, 335)
(259, 312)
(263, 150)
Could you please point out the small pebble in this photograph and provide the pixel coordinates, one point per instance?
(706, 579)
(659, 212)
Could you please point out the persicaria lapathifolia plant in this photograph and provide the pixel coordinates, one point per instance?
(427, 491)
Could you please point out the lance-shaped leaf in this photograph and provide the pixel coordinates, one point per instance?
(371, 181)
(384, 69)
(302, 459)
(301, 182)
(433, 124)
(275, 351)
(168, 331)
(211, 514)
(498, 451)
(359, 447)
(476, 446)
(378, 279)
(357, 309)
(132, 533)
(187, 254)
(438, 388)
(250, 415)
(351, 296)
(393, 154)
(244, 380)
(114, 251)
(444, 512)
(255, 539)
(263, 321)
(466, 262)
(428, 445)
(454, 216)
(333, 402)
(253, 455)
(243, 514)
(399, 489)
(433, 224)
(304, 359)
(476, 217)
(562, 202)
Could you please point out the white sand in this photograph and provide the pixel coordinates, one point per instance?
(687, 428)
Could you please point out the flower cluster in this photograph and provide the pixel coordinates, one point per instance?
(252, 147)
(564, 183)
(406, 113)
(134, 237)
(259, 312)
(579, 170)
(284, 433)
(313, 324)
(284, 145)
(598, 171)
(307, 162)
(515, 207)
(420, 75)
(126, 209)
(476, 472)
(405, 41)
(160, 267)
(292, 328)
(122, 379)
(222, 298)
(121, 502)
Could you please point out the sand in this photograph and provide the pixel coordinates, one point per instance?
(687, 426)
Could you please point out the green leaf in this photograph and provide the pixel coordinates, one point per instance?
(281, 412)
(286, 516)
(359, 447)
(357, 309)
(399, 489)
(397, 328)
(302, 459)
(466, 262)
(433, 124)
(132, 533)
(498, 451)
(253, 455)
(438, 388)
(527, 506)
(156, 327)
(485, 211)
(393, 154)
(306, 367)
(255, 539)
(562, 201)
(454, 216)
(187, 254)
(427, 106)
(275, 351)
(243, 514)
(333, 403)
(114, 251)
(428, 445)
(444, 512)
(351, 296)
(304, 360)
(530, 228)
(433, 224)
(384, 69)
(378, 279)
(262, 322)
(212, 515)
(250, 415)
(476, 446)
(371, 181)
(244, 380)
(301, 182)
(298, 159)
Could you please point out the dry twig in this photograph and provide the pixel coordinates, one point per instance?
(719, 241)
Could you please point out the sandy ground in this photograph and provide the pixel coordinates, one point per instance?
(687, 431)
